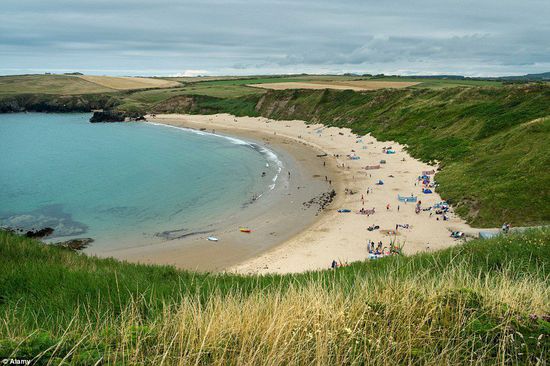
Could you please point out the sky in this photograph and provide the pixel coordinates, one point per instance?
(237, 37)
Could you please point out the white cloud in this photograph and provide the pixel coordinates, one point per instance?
(190, 73)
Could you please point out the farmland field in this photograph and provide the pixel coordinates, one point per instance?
(128, 83)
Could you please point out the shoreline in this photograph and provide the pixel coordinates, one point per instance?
(343, 236)
(275, 218)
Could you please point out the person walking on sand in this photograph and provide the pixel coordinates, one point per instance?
(388, 207)
(398, 208)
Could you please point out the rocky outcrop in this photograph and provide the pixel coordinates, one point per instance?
(75, 244)
(41, 233)
(107, 116)
(115, 116)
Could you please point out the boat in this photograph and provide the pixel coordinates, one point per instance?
(212, 238)
(245, 230)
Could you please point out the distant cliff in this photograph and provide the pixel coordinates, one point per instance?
(57, 103)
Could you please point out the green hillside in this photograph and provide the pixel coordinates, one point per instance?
(486, 301)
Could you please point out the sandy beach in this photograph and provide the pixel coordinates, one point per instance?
(334, 235)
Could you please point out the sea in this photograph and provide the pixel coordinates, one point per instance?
(125, 183)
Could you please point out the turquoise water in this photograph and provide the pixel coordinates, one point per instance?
(115, 180)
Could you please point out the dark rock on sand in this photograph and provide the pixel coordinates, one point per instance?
(74, 244)
(322, 200)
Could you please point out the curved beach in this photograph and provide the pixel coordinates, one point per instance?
(333, 235)
(276, 216)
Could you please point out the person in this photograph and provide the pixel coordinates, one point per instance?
(289, 173)
(334, 264)
(324, 163)
(398, 208)
(326, 178)
(387, 207)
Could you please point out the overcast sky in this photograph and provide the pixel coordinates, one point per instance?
(215, 37)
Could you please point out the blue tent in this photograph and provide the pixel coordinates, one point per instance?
(427, 191)
(380, 182)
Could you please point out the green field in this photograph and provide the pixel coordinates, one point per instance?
(442, 83)
(486, 301)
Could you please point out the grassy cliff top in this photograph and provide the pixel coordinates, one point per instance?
(484, 300)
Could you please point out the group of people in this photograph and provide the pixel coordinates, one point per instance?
(374, 248)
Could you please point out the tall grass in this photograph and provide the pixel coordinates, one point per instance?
(479, 303)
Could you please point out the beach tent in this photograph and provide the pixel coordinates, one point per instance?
(407, 199)
(382, 161)
(380, 182)
(354, 157)
(390, 151)
(427, 191)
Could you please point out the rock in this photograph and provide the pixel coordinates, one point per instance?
(74, 244)
(36, 234)
(107, 116)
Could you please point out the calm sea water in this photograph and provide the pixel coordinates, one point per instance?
(111, 181)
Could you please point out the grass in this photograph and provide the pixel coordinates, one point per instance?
(483, 302)
(48, 84)
(433, 83)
